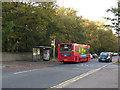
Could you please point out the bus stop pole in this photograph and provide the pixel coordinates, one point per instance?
(53, 44)
(54, 51)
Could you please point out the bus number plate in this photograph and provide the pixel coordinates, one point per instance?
(65, 59)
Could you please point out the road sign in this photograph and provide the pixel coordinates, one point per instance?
(53, 42)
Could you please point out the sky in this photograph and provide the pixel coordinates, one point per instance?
(93, 10)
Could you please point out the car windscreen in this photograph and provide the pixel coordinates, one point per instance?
(66, 47)
(104, 54)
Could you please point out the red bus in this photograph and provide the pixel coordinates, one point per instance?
(72, 52)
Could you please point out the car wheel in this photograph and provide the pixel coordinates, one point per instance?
(108, 60)
(111, 60)
(99, 60)
(87, 59)
(79, 60)
(49, 59)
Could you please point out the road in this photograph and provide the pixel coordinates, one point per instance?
(106, 77)
(46, 77)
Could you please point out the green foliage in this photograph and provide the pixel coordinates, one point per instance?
(25, 26)
(116, 20)
(100, 38)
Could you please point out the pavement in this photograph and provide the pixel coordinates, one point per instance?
(106, 77)
(26, 64)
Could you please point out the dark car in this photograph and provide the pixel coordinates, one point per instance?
(105, 56)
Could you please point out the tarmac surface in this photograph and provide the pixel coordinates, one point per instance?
(107, 77)
(46, 74)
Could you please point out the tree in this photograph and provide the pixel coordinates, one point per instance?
(92, 35)
(107, 40)
(116, 21)
(99, 37)
(25, 26)
(70, 25)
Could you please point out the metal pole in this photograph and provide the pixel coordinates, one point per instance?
(54, 48)
(53, 51)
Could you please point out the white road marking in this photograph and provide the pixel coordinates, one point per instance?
(25, 71)
(65, 83)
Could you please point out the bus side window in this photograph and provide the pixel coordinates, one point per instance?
(82, 50)
(86, 51)
(79, 51)
(75, 49)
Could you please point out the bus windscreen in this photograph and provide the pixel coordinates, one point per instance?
(66, 47)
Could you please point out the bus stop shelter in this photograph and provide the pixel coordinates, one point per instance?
(41, 52)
